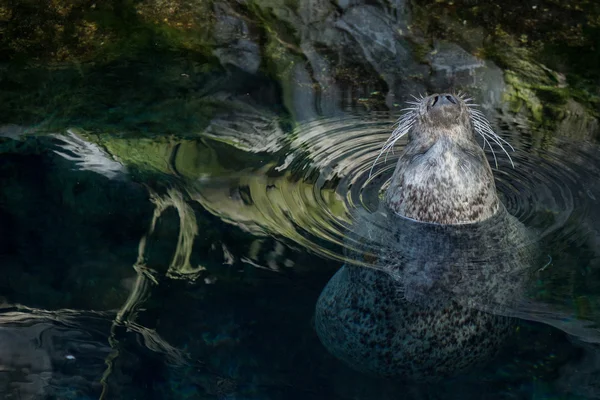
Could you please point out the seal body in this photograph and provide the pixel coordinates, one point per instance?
(373, 329)
(424, 294)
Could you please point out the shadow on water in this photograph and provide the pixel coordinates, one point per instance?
(169, 219)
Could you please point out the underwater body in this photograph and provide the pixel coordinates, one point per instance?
(182, 183)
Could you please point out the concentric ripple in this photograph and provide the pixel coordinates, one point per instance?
(314, 192)
(322, 185)
(334, 156)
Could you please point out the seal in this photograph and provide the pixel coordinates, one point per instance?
(437, 265)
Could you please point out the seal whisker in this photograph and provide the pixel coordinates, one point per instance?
(388, 143)
(494, 134)
(398, 134)
(406, 120)
(495, 138)
(387, 153)
(463, 96)
(404, 124)
(484, 126)
(491, 148)
(391, 145)
(401, 130)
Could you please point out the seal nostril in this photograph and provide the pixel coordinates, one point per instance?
(442, 100)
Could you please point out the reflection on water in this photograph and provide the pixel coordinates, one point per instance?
(315, 195)
(43, 352)
(171, 213)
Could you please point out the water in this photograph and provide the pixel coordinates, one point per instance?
(174, 200)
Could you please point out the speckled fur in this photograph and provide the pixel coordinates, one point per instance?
(443, 175)
(419, 312)
(373, 329)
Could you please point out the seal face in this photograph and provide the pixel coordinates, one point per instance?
(443, 175)
(445, 249)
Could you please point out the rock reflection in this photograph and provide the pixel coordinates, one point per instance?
(64, 354)
(40, 351)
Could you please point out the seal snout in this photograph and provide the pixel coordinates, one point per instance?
(440, 100)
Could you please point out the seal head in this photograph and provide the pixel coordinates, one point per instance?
(442, 175)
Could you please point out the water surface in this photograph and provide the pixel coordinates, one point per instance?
(168, 219)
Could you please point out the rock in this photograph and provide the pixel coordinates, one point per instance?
(577, 123)
(384, 48)
(235, 45)
(453, 61)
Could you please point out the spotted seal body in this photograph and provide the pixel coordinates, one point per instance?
(442, 256)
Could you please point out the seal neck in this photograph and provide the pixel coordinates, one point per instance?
(449, 183)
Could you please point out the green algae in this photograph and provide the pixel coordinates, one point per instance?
(520, 41)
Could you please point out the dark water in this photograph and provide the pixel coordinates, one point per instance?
(169, 217)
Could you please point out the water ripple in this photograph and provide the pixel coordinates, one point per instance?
(323, 180)
(325, 185)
